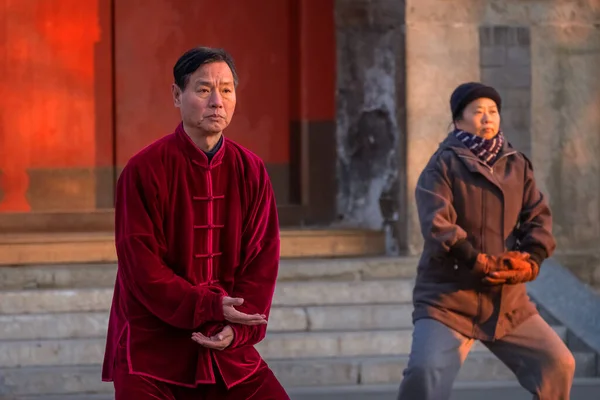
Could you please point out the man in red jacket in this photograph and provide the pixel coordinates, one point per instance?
(197, 238)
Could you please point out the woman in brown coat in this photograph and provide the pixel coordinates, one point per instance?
(487, 229)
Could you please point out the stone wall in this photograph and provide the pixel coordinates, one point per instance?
(442, 51)
(505, 62)
(565, 118)
(544, 57)
(369, 101)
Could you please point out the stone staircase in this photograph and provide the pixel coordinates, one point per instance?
(339, 328)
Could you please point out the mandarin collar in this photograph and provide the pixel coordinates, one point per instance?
(195, 153)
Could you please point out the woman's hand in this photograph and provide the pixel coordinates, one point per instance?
(514, 267)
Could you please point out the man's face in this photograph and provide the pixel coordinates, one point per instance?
(208, 101)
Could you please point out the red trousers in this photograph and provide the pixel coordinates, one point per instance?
(263, 385)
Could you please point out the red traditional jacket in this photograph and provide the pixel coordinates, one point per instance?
(187, 232)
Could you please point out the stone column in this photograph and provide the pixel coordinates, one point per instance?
(442, 51)
(370, 67)
(566, 139)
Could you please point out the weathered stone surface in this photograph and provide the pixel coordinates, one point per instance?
(335, 344)
(328, 293)
(287, 319)
(99, 247)
(517, 98)
(286, 294)
(582, 264)
(517, 77)
(566, 130)
(368, 128)
(538, 12)
(282, 319)
(94, 324)
(482, 366)
(40, 301)
(569, 301)
(103, 275)
(596, 277)
(54, 326)
(347, 269)
(478, 367)
(371, 14)
(58, 276)
(316, 372)
(361, 317)
(444, 12)
(51, 352)
(439, 57)
(56, 380)
(505, 59)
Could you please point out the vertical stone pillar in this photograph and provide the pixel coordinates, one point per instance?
(442, 51)
(370, 64)
(566, 137)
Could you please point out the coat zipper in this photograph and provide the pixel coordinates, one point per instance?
(491, 169)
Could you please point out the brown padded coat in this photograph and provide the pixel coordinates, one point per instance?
(463, 202)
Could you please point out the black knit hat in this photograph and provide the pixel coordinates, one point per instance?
(467, 92)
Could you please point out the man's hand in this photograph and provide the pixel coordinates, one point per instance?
(238, 317)
(220, 341)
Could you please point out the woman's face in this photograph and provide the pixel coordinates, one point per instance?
(480, 117)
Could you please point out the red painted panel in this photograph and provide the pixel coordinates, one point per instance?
(315, 23)
(48, 101)
(151, 34)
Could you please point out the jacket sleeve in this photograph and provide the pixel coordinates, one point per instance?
(141, 247)
(437, 215)
(535, 221)
(255, 279)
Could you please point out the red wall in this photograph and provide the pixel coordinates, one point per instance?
(152, 34)
(71, 94)
(47, 101)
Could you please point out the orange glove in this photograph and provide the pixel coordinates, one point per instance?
(514, 267)
(514, 260)
(484, 264)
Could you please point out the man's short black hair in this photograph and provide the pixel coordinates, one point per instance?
(192, 59)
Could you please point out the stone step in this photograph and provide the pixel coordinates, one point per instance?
(77, 396)
(29, 353)
(53, 380)
(286, 294)
(479, 366)
(324, 372)
(103, 275)
(282, 319)
(583, 389)
(91, 247)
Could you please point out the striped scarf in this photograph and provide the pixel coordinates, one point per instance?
(485, 149)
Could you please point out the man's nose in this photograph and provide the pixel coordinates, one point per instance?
(216, 101)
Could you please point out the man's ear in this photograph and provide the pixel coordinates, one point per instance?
(176, 91)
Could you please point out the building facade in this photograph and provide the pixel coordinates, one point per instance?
(345, 100)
